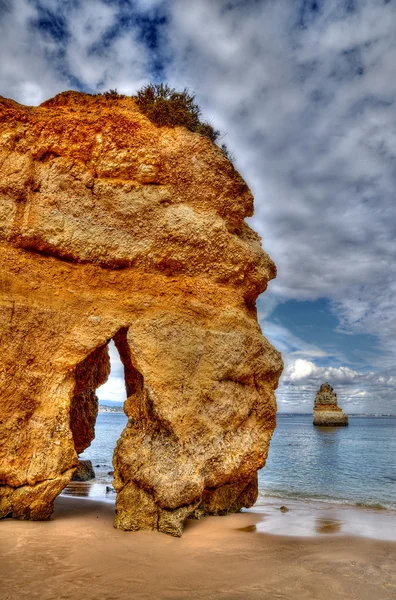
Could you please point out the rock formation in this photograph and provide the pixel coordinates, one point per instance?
(326, 409)
(84, 471)
(114, 228)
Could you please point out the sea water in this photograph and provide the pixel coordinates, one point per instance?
(349, 465)
(108, 429)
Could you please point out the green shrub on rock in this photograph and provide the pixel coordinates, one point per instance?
(165, 106)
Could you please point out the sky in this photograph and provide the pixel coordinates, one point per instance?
(305, 95)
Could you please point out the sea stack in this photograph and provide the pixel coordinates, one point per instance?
(326, 409)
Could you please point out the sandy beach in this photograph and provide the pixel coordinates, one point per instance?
(78, 554)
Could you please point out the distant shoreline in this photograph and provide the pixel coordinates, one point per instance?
(284, 414)
(111, 409)
(119, 409)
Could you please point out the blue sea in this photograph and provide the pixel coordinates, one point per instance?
(353, 465)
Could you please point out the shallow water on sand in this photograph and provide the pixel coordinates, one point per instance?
(307, 518)
(346, 465)
(107, 431)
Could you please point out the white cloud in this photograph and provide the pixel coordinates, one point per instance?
(92, 49)
(302, 370)
(312, 115)
(310, 112)
(26, 74)
(114, 388)
(308, 103)
(357, 392)
(99, 63)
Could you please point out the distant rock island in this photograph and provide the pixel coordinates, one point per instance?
(326, 409)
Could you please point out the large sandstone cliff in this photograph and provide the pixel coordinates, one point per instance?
(113, 228)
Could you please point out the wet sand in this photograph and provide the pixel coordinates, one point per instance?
(288, 517)
(79, 555)
(313, 518)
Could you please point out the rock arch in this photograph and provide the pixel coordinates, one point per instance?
(112, 228)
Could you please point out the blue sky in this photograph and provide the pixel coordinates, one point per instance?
(305, 93)
(310, 329)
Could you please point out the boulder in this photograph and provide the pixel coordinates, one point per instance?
(84, 471)
(112, 228)
(326, 409)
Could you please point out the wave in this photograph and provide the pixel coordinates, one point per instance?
(311, 497)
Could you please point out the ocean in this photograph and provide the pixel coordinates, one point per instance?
(350, 465)
(354, 465)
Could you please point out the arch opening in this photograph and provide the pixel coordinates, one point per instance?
(97, 418)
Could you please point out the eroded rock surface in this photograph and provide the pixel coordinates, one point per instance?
(113, 228)
(91, 373)
(84, 471)
(326, 409)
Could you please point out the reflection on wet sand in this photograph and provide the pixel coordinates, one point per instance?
(310, 519)
(327, 525)
(87, 489)
(248, 528)
(302, 519)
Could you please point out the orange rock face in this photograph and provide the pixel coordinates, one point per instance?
(113, 228)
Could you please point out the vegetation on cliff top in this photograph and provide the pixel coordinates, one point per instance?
(166, 107)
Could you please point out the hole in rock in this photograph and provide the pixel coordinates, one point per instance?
(97, 418)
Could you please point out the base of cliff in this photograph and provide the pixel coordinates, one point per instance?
(84, 471)
(330, 418)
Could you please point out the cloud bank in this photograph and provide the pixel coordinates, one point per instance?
(305, 92)
(357, 392)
